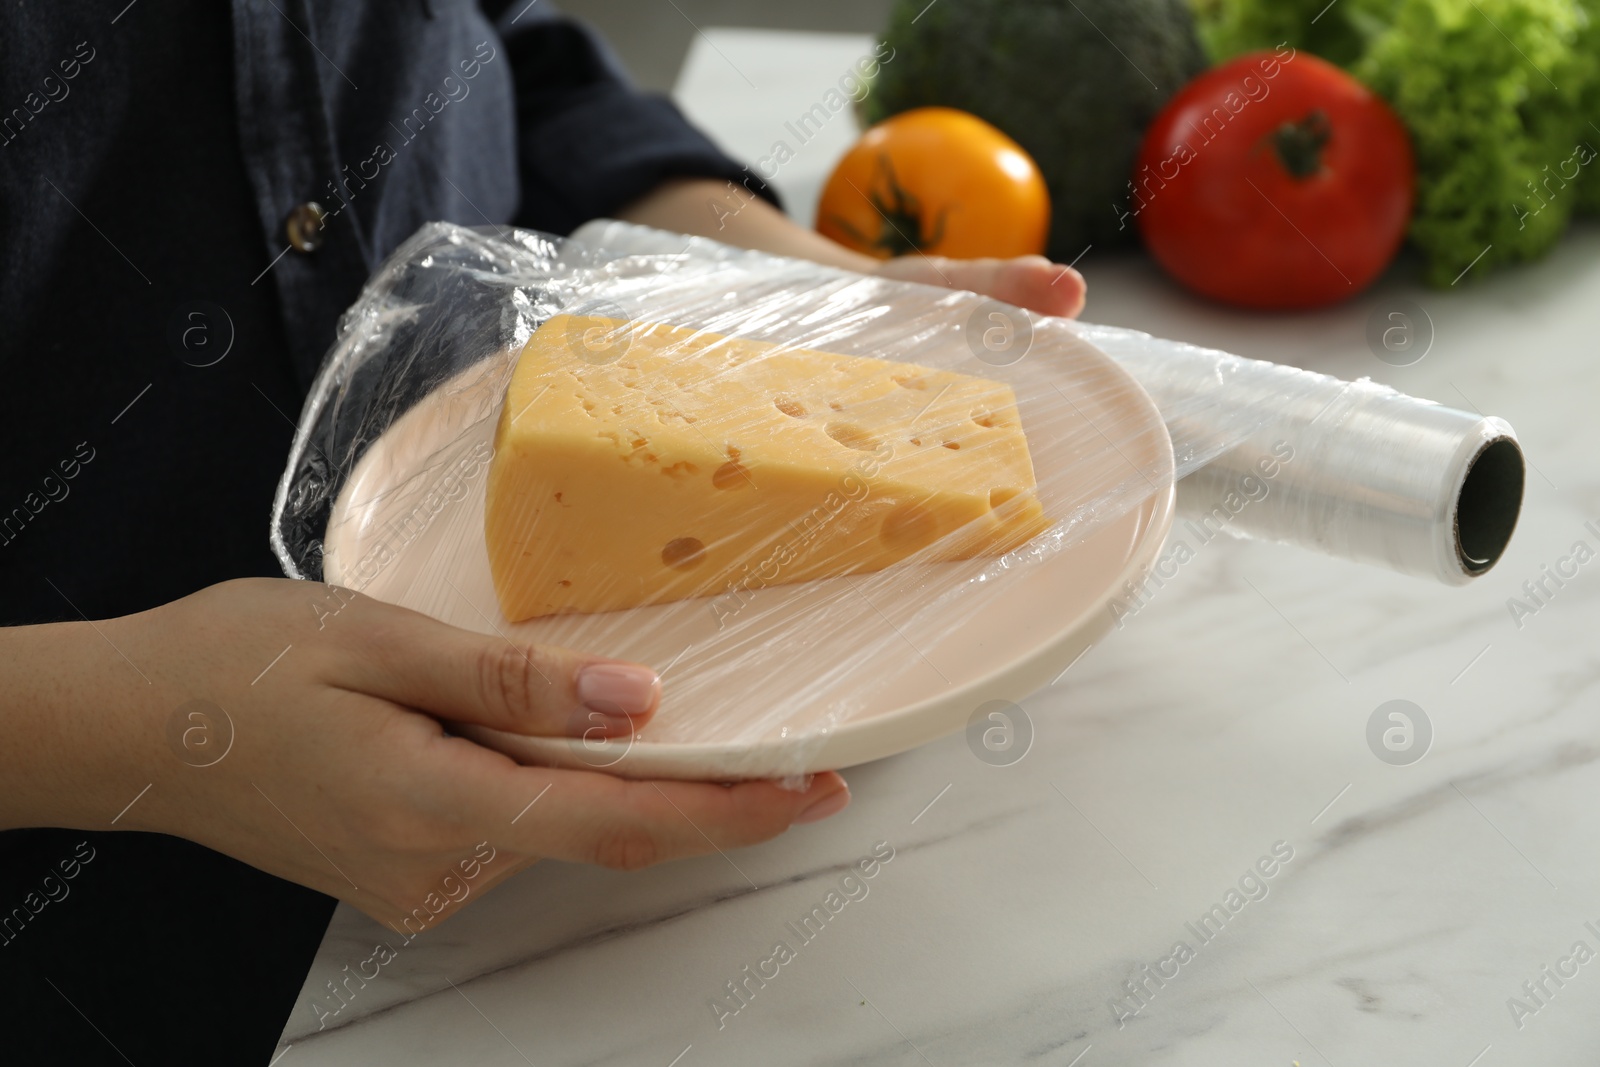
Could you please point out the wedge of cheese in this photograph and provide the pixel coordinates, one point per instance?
(641, 463)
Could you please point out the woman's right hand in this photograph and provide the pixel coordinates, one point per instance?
(330, 766)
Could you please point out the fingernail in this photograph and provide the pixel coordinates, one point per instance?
(832, 804)
(618, 687)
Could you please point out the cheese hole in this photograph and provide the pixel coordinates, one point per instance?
(731, 475)
(683, 553)
(852, 436)
(910, 382)
(565, 583)
(917, 441)
(789, 406)
(984, 419)
(835, 405)
(1000, 497)
(908, 526)
(952, 444)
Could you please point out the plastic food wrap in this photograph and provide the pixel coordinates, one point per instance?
(718, 482)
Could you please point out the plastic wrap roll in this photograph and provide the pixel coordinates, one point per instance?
(1350, 469)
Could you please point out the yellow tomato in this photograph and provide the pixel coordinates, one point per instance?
(939, 181)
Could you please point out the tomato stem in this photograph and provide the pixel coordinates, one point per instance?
(1299, 145)
(905, 226)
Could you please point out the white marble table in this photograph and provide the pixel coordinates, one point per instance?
(1228, 715)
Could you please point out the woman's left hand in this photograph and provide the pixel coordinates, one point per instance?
(1031, 282)
(700, 206)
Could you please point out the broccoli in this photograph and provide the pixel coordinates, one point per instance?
(1074, 82)
(1501, 97)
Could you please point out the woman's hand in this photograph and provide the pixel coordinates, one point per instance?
(297, 727)
(701, 206)
(1031, 282)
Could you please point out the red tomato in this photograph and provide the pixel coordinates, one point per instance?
(1274, 181)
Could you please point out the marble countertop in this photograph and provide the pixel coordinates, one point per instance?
(1201, 860)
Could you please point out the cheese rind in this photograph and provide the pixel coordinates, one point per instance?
(692, 462)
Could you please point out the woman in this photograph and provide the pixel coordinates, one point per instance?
(191, 193)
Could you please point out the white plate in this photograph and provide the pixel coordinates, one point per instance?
(407, 528)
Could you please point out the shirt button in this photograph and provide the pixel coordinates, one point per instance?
(304, 226)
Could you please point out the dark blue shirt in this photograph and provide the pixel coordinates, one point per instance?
(167, 290)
